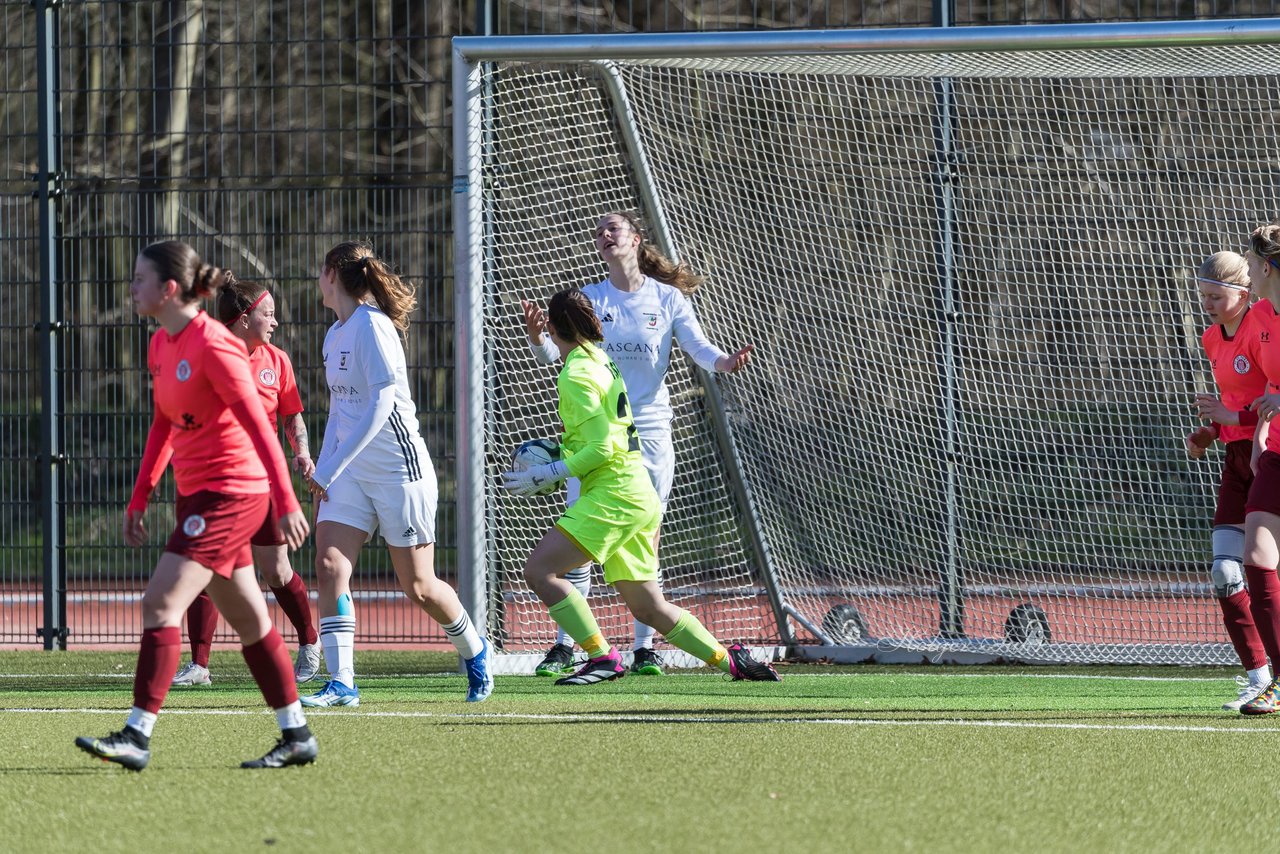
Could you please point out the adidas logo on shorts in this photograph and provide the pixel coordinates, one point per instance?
(409, 532)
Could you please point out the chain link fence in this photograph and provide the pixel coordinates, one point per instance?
(261, 134)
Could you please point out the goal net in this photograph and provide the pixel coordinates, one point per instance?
(967, 274)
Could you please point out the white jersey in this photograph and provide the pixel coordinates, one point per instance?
(638, 329)
(359, 356)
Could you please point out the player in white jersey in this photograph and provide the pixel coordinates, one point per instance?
(643, 307)
(374, 471)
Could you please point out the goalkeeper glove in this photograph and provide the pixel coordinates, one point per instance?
(535, 479)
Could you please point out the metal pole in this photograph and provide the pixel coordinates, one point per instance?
(486, 17)
(715, 403)
(919, 40)
(950, 583)
(48, 193)
(468, 343)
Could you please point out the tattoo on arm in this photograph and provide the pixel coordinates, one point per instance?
(295, 430)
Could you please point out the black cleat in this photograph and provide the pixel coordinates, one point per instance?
(286, 753)
(743, 666)
(120, 747)
(646, 662)
(558, 661)
(600, 669)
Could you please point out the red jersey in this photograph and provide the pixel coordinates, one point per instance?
(209, 418)
(277, 387)
(1267, 331)
(1237, 366)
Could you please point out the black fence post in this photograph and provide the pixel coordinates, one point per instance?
(48, 331)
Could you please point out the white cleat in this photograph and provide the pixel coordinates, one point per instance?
(1248, 691)
(307, 667)
(192, 674)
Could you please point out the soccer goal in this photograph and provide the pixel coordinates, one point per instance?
(964, 257)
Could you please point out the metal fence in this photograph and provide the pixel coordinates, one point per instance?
(261, 134)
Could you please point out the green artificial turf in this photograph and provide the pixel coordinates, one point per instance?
(832, 759)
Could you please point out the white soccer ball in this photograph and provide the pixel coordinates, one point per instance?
(537, 452)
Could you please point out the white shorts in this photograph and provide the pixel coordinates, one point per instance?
(404, 512)
(659, 457)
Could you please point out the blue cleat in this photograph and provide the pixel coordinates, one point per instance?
(334, 693)
(479, 682)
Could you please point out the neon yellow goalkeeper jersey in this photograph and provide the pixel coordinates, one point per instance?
(600, 441)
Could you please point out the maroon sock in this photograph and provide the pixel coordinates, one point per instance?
(157, 664)
(1238, 618)
(1264, 604)
(297, 607)
(269, 663)
(202, 620)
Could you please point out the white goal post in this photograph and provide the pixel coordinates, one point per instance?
(964, 258)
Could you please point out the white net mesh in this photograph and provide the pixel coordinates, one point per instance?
(964, 425)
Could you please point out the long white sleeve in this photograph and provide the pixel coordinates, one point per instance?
(547, 352)
(329, 467)
(688, 332)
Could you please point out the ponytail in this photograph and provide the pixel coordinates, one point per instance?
(175, 260)
(362, 273)
(654, 264)
(571, 315)
(236, 298)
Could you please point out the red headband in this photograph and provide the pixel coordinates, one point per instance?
(251, 307)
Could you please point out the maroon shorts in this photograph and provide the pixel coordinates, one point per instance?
(214, 529)
(269, 533)
(1264, 495)
(1233, 490)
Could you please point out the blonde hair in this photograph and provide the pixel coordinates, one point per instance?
(654, 264)
(1229, 268)
(361, 272)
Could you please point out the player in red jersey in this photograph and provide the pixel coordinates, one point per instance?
(249, 310)
(229, 470)
(1262, 519)
(1232, 343)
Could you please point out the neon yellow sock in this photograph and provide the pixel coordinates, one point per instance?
(693, 637)
(573, 614)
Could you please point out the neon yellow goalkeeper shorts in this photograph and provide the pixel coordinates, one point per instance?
(615, 525)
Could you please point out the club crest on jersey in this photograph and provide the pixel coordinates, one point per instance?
(652, 320)
(267, 377)
(193, 525)
(184, 371)
(1241, 364)
(342, 359)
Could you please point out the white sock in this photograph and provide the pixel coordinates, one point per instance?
(466, 640)
(1260, 675)
(141, 720)
(644, 634)
(580, 578)
(338, 637)
(291, 716)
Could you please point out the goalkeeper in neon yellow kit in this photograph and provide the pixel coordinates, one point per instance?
(614, 520)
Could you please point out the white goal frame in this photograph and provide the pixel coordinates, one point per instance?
(947, 47)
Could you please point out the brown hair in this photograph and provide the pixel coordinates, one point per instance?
(1265, 243)
(175, 260)
(1228, 267)
(655, 264)
(236, 297)
(573, 318)
(361, 272)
